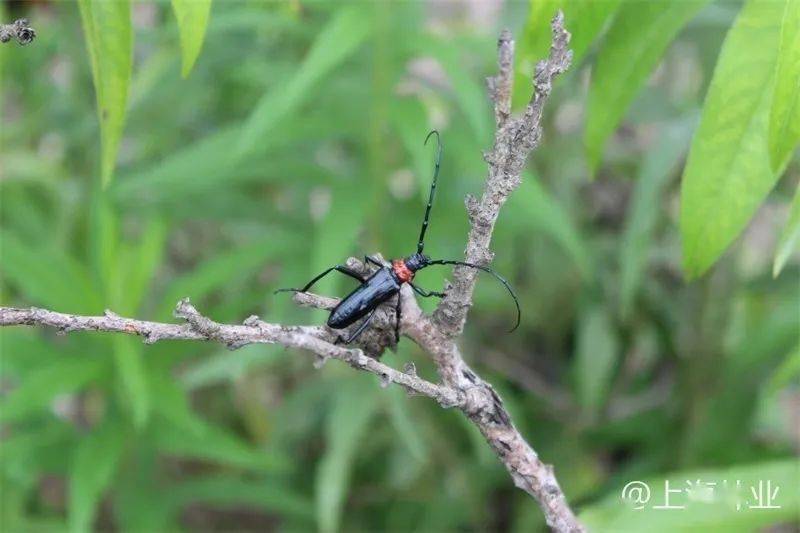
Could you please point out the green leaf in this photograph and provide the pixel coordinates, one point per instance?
(635, 42)
(353, 407)
(109, 40)
(595, 358)
(219, 270)
(584, 19)
(140, 505)
(538, 208)
(470, 95)
(784, 122)
(192, 16)
(39, 389)
(47, 277)
(195, 438)
(179, 431)
(728, 172)
(131, 372)
(230, 492)
(139, 265)
(733, 486)
(790, 236)
(408, 432)
(336, 42)
(230, 367)
(654, 173)
(93, 468)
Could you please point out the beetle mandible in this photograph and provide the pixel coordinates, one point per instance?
(387, 281)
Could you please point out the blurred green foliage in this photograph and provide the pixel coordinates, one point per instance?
(296, 141)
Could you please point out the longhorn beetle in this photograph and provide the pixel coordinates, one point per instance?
(387, 281)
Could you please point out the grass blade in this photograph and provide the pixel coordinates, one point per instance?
(336, 42)
(347, 423)
(93, 468)
(636, 40)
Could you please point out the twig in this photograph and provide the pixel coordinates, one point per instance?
(514, 139)
(18, 30)
(461, 387)
(198, 327)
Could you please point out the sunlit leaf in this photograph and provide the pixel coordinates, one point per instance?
(632, 48)
(728, 171)
(109, 40)
(192, 16)
(93, 468)
(784, 123)
(342, 36)
(644, 211)
(596, 357)
(346, 426)
(730, 504)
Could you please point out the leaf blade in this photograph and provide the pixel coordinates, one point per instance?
(657, 167)
(636, 40)
(784, 122)
(596, 358)
(109, 40)
(728, 171)
(347, 422)
(336, 42)
(192, 17)
(93, 467)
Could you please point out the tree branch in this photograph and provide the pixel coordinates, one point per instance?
(314, 339)
(461, 387)
(514, 139)
(18, 30)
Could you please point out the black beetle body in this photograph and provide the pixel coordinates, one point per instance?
(387, 281)
(378, 288)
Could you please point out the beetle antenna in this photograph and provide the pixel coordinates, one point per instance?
(421, 243)
(493, 273)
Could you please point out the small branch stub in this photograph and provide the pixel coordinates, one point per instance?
(18, 30)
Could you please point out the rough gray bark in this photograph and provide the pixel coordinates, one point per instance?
(18, 30)
(461, 387)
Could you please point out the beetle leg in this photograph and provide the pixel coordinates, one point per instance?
(373, 261)
(340, 268)
(357, 333)
(426, 293)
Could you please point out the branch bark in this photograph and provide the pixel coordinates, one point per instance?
(18, 30)
(461, 387)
